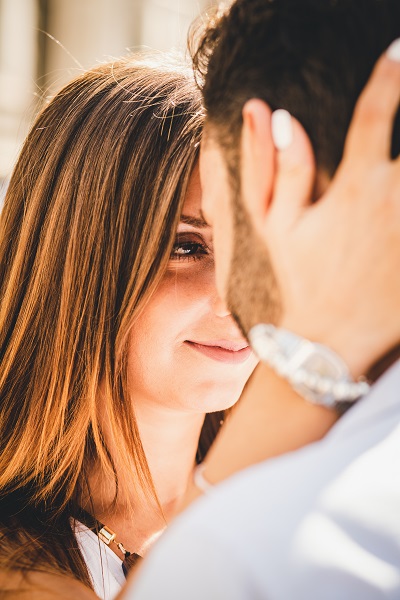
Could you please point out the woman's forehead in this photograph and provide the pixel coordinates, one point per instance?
(192, 203)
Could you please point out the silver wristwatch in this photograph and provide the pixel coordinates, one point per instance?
(314, 371)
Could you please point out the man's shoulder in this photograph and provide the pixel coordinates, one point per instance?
(367, 435)
(316, 510)
(327, 514)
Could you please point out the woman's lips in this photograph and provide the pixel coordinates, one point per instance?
(223, 351)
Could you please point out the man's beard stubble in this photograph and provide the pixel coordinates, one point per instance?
(253, 295)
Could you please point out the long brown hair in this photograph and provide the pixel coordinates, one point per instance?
(85, 236)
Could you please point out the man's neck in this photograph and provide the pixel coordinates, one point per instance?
(383, 364)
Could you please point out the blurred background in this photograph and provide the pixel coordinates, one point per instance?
(44, 43)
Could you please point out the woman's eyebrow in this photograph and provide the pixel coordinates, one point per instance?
(198, 222)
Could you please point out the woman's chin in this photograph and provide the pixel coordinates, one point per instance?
(213, 401)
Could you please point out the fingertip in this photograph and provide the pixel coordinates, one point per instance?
(393, 52)
(370, 133)
(290, 139)
(281, 129)
(253, 108)
(295, 168)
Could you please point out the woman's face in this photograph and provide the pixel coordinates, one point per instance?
(185, 350)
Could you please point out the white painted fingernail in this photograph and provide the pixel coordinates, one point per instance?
(393, 52)
(282, 130)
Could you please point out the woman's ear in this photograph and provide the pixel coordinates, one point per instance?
(257, 165)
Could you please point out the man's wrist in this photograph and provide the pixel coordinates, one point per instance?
(358, 351)
(315, 371)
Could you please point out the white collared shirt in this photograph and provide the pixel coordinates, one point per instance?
(321, 523)
(104, 566)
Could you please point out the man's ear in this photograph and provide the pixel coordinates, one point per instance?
(278, 170)
(257, 166)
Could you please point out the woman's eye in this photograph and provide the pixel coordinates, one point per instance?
(188, 250)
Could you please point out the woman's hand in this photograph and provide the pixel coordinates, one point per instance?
(337, 261)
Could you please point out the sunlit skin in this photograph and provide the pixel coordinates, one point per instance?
(277, 418)
(291, 416)
(186, 358)
(216, 208)
(186, 352)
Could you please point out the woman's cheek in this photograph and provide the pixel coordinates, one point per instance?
(190, 283)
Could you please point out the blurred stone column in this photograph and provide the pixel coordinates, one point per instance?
(44, 43)
(165, 23)
(82, 32)
(85, 31)
(18, 61)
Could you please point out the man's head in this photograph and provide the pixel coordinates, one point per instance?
(310, 57)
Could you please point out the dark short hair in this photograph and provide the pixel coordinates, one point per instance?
(311, 57)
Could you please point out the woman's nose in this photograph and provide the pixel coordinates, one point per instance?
(219, 306)
(217, 303)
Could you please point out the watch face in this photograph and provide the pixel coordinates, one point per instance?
(314, 371)
(318, 360)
